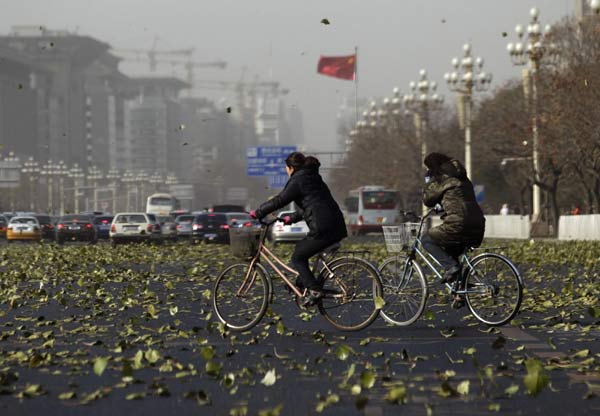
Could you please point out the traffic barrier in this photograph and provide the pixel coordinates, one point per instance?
(579, 227)
(502, 226)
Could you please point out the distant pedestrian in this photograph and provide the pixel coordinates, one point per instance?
(504, 210)
(576, 210)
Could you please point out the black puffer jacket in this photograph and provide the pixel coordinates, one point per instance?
(316, 205)
(463, 220)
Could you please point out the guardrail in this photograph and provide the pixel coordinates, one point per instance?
(502, 226)
(579, 227)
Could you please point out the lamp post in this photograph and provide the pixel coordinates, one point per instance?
(422, 99)
(62, 171)
(77, 175)
(128, 179)
(529, 50)
(141, 179)
(468, 76)
(113, 176)
(171, 180)
(49, 171)
(94, 175)
(32, 170)
(156, 179)
(14, 164)
(595, 6)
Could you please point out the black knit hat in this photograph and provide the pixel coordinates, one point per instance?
(434, 160)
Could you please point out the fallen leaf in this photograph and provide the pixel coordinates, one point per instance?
(100, 365)
(270, 378)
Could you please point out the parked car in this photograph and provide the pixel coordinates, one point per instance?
(102, 224)
(23, 228)
(285, 233)
(183, 223)
(46, 225)
(168, 227)
(210, 227)
(3, 226)
(76, 227)
(157, 235)
(134, 226)
(8, 215)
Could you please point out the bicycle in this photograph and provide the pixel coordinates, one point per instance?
(490, 283)
(352, 287)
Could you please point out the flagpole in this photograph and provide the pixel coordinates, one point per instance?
(356, 84)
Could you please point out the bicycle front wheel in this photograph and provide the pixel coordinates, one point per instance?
(494, 289)
(239, 303)
(350, 293)
(404, 290)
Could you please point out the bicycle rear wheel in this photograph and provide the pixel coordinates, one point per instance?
(494, 289)
(241, 307)
(404, 290)
(349, 302)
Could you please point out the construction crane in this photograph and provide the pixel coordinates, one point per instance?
(153, 57)
(245, 91)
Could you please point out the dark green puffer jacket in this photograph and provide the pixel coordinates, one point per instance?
(463, 220)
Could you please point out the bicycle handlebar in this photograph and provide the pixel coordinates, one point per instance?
(268, 223)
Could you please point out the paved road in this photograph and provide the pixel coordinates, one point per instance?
(49, 343)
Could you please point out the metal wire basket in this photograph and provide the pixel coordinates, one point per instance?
(243, 242)
(400, 237)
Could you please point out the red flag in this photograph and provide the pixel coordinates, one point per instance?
(343, 67)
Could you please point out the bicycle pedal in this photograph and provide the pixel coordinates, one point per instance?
(458, 302)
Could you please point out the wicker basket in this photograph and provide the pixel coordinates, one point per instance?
(400, 237)
(243, 242)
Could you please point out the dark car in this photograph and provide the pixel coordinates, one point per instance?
(47, 226)
(211, 228)
(76, 228)
(3, 226)
(102, 224)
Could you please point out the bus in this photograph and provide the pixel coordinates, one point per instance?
(369, 207)
(162, 204)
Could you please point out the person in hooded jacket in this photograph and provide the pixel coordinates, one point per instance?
(463, 221)
(317, 207)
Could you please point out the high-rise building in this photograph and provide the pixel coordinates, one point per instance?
(151, 121)
(62, 59)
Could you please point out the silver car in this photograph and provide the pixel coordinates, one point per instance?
(283, 233)
(183, 223)
(168, 227)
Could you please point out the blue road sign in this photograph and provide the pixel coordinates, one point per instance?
(278, 181)
(267, 160)
(479, 193)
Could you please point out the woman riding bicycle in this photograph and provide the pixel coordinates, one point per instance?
(317, 207)
(463, 221)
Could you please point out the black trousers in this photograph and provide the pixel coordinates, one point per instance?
(305, 249)
(447, 254)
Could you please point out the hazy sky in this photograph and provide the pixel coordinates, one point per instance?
(395, 39)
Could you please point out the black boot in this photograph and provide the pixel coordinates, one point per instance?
(450, 275)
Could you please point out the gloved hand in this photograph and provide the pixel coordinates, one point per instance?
(287, 220)
(253, 214)
(438, 208)
(428, 176)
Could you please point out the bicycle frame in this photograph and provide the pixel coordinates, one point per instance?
(419, 250)
(263, 253)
